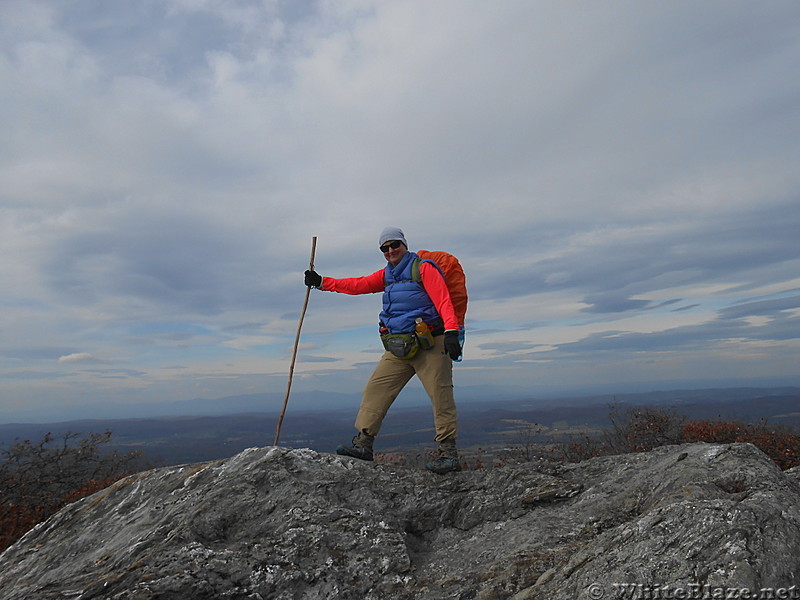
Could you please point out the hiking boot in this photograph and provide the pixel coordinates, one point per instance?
(444, 465)
(361, 448)
(447, 461)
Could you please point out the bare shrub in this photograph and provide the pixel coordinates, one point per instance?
(642, 428)
(639, 429)
(37, 479)
(524, 445)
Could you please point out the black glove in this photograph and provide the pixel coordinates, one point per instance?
(313, 279)
(451, 345)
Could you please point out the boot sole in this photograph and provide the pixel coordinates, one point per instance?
(443, 470)
(345, 451)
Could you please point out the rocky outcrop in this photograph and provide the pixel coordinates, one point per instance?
(272, 523)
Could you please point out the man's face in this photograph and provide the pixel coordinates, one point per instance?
(394, 251)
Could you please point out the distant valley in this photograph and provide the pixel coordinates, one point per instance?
(185, 439)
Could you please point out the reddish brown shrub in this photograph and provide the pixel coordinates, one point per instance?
(640, 429)
(37, 479)
(781, 444)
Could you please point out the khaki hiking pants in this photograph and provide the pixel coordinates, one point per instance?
(434, 369)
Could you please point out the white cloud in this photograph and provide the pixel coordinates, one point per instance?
(165, 165)
(76, 357)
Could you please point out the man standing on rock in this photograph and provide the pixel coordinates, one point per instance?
(405, 302)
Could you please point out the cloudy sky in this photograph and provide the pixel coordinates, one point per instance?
(619, 179)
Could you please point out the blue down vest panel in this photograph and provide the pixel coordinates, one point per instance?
(404, 300)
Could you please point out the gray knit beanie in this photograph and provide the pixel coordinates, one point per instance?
(392, 233)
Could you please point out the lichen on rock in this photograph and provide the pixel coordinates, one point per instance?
(275, 523)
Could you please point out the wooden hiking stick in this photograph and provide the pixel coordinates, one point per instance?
(296, 342)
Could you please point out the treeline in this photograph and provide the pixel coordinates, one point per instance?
(632, 429)
(39, 478)
(639, 429)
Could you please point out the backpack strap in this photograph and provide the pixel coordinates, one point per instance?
(415, 268)
(416, 276)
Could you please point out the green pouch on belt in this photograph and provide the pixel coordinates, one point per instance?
(402, 345)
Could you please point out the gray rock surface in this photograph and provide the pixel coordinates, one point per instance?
(272, 523)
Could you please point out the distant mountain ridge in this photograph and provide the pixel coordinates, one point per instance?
(412, 396)
(261, 402)
(191, 438)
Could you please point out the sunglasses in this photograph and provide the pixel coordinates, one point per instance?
(393, 245)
